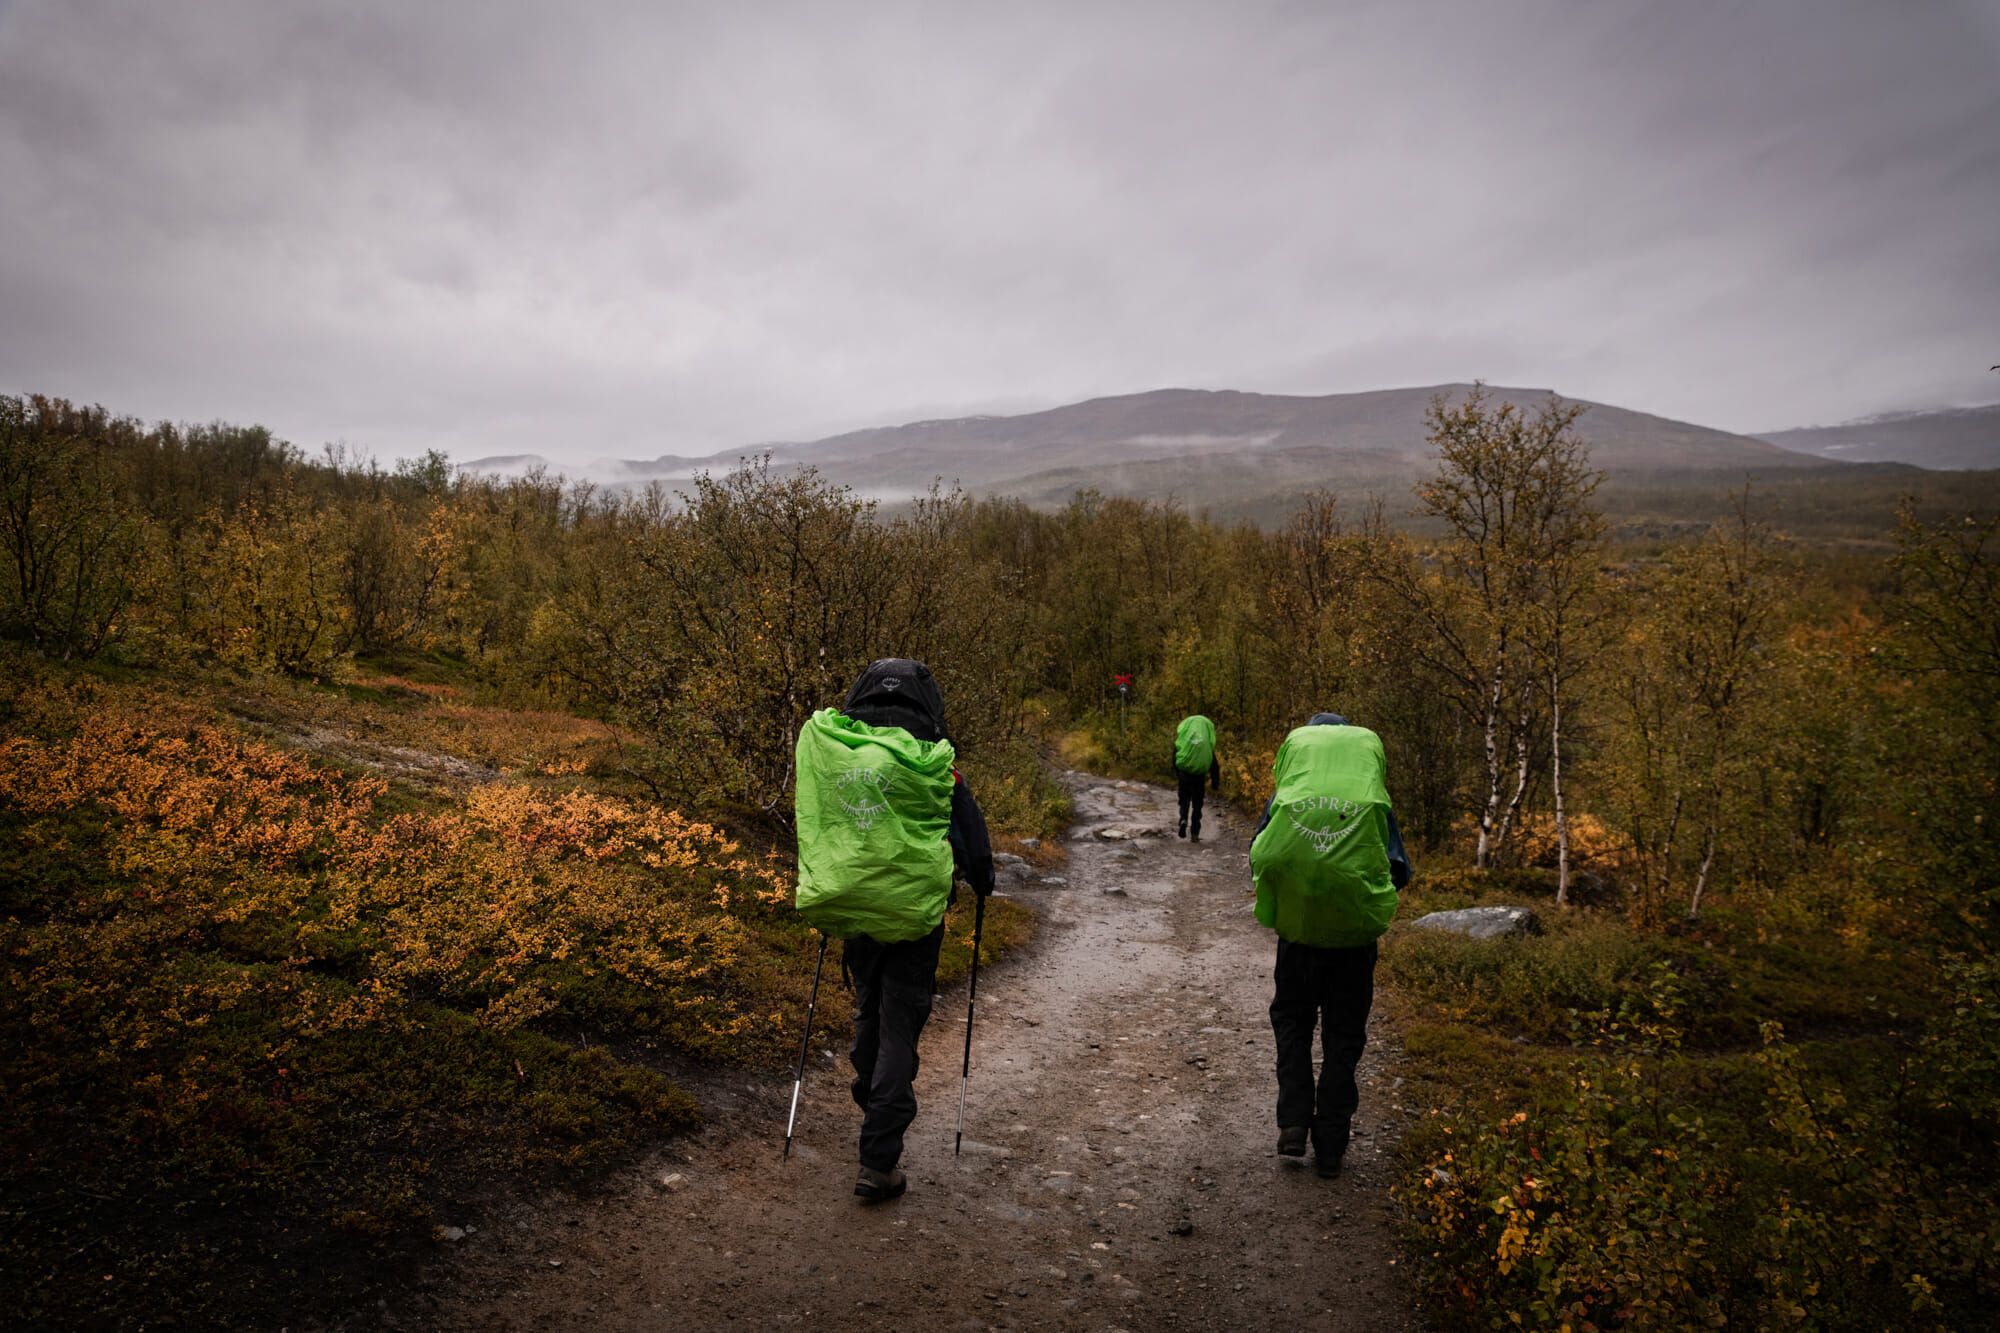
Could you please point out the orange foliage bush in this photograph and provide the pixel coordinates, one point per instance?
(496, 907)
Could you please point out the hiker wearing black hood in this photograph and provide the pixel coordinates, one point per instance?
(1327, 869)
(865, 855)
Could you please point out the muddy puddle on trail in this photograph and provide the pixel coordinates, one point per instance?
(1119, 1172)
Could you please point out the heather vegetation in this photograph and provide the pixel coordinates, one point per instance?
(372, 837)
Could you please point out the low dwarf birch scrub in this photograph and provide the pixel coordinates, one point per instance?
(235, 978)
(1653, 1187)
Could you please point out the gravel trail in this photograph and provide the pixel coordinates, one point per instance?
(1119, 1170)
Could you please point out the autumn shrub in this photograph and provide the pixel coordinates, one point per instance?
(715, 623)
(257, 586)
(69, 536)
(1525, 986)
(232, 977)
(1016, 792)
(213, 839)
(1806, 1186)
(1595, 1211)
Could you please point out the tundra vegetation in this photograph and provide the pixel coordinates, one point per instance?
(375, 838)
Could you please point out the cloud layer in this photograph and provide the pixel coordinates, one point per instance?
(625, 230)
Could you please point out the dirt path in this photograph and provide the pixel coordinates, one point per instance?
(1119, 1173)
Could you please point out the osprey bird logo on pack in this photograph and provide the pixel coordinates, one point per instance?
(864, 794)
(1324, 820)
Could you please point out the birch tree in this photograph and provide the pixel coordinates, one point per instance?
(1694, 656)
(1514, 492)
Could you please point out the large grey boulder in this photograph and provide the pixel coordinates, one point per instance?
(1483, 923)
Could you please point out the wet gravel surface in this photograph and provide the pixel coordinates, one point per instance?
(1119, 1172)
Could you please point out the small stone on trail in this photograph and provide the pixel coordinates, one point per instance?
(1182, 1227)
(452, 1233)
(1116, 893)
(1031, 843)
(673, 1182)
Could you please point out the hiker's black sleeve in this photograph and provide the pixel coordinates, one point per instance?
(971, 850)
(1269, 806)
(1399, 859)
(1215, 773)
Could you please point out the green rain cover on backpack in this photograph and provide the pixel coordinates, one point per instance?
(874, 804)
(1194, 744)
(1321, 865)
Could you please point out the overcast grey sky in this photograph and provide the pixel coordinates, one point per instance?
(588, 230)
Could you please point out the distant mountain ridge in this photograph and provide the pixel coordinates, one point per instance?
(1221, 438)
(1949, 439)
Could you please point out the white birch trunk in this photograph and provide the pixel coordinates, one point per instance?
(1556, 781)
(1520, 770)
(1492, 767)
(1713, 837)
(1701, 878)
(1666, 881)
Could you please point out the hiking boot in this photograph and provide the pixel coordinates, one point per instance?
(1292, 1141)
(880, 1186)
(1182, 832)
(1328, 1165)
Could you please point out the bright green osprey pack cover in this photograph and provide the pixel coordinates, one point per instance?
(874, 804)
(1321, 865)
(1194, 744)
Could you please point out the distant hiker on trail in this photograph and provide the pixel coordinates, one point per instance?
(1195, 764)
(1327, 860)
(883, 820)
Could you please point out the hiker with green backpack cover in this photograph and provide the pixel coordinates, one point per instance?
(884, 820)
(1327, 861)
(1195, 766)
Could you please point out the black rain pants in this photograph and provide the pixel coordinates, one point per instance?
(1333, 989)
(1192, 786)
(892, 1001)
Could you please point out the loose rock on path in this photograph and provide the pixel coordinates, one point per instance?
(1119, 1172)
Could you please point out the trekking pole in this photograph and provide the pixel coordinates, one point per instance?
(971, 995)
(799, 1081)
